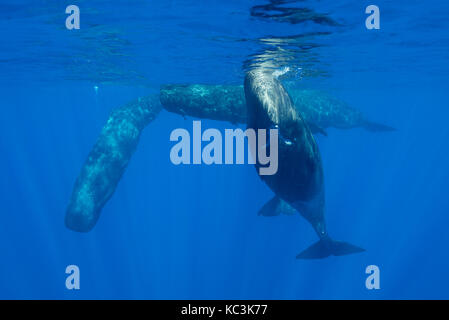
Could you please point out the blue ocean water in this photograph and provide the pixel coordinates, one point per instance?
(192, 232)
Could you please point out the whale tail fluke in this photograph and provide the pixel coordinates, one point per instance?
(326, 247)
(376, 127)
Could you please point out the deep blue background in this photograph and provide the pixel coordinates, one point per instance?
(193, 231)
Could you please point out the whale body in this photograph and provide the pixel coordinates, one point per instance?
(227, 103)
(299, 180)
(107, 161)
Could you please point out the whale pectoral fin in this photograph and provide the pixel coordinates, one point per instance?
(316, 128)
(275, 207)
(271, 208)
(326, 247)
(287, 209)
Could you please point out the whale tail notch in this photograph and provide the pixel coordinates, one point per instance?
(326, 247)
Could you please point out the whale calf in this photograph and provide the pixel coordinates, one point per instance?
(227, 103)
(299, 180)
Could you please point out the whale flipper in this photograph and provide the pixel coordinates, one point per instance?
(271, 208)
(326, 247)
(275, 206)
(316, 128)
